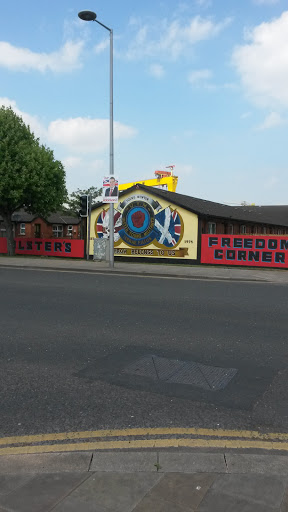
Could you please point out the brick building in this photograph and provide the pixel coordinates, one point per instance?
(217, 218)
(57, 225)
(152, 223)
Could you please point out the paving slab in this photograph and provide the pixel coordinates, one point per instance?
(284, 504)
(109, 492)
(191, 462)
(42, 492)
(9, 483)
(180, 490)
(76, 504)
(46, 463)
(263, 492)
(221, 502)
(150, 503)
(253, 463)
(124, 461)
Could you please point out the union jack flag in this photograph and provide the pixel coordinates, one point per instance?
(102, 225)
(168, 227)
(106, 181)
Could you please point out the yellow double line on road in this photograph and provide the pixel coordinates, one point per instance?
(140, 438)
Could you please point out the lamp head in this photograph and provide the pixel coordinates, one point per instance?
(87, 15)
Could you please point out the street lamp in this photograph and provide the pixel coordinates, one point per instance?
(91, 16)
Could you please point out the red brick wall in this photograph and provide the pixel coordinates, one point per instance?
(46, 230)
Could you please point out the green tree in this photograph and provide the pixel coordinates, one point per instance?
(30, 177)
(73, 202)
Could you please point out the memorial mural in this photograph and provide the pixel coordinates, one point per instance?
(145, 225)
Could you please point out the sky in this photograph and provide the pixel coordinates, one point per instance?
(199, 84)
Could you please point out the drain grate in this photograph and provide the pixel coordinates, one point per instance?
(173, 371)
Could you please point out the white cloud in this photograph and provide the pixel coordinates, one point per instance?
(157, 70)
(199, 75)
(22, 59)
(78, 134)
(262, 63)
(80, 139)
(74, 162)
(271, 120)
(171, 38)
(100, 47)
(86, 135)
(71, 162)
(83, 172)
(74, 29)
(36, 126)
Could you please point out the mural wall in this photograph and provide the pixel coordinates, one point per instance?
(147, 226)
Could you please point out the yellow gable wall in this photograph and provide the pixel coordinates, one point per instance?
(186, 245)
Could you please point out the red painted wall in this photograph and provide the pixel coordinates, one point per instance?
(256, 251)
(62, 247)
(3, 246)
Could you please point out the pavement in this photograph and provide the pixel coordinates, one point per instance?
(144, 481)
(182, 480)
(184, 271)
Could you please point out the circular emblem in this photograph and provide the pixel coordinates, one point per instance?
(138, 223)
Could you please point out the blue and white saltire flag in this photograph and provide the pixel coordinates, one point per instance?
(167, 227)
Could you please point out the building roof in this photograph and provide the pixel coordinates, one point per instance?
(272, 215)
(55, 218)
(58, 218)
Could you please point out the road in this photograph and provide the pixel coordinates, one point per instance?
(67, 340)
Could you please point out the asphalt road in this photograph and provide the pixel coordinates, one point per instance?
(67, 339)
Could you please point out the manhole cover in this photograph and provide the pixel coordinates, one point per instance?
(167, 370)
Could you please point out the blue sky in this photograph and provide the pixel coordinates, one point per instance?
(200, 84)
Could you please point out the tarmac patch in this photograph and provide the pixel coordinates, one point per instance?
(203, 376)
(182, 376)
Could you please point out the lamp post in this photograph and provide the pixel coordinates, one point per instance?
(91, 16)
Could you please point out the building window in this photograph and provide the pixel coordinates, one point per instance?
(58, 230)
(243, 229)
(69, 230)
(211, 228)
(280, 231)
(230, 229)
(22, 228)
(264, 230)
